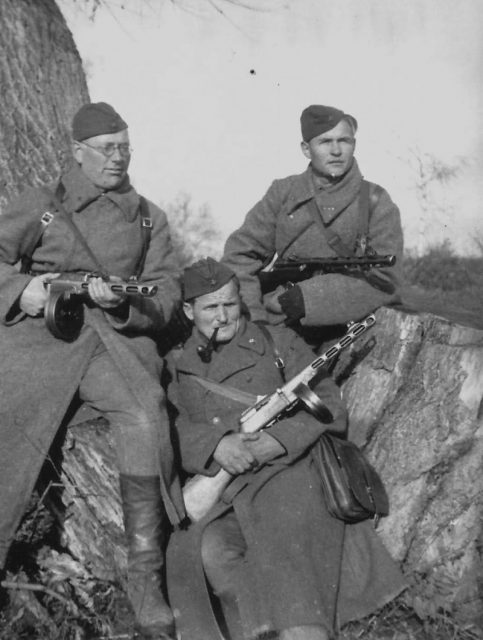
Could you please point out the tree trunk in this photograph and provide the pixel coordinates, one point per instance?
(42, 84)
(414, 387)
(92, 524)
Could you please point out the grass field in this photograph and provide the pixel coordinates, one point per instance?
(447, 285)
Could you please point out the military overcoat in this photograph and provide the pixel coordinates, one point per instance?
(286, 223)
(302, 566)
(40, 373)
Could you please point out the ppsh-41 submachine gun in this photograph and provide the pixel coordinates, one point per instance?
(295, 269)
(64, 309)
(202, 492)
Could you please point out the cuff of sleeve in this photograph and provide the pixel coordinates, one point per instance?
(120, 313)
(292, 303)
(294, 436)
(10, 312)
(278, 440)
(209, 447)
(15, 314)
(141, 316)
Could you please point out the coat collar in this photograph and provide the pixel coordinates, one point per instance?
(302, 190)
(332, 199)
(80, 191)
(241, 353)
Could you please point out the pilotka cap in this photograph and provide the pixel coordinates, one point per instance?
(95, 119)
(205, 276)
(318, 119)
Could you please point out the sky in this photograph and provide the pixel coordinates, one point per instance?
(213, 92)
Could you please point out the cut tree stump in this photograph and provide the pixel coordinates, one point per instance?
(93, 530)
(414, 388)
(416, 406)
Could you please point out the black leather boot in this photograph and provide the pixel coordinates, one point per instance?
(145, 523)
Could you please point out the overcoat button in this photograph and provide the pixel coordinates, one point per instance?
(216, 420)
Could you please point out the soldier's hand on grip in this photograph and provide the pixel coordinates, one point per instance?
(233, 454)
(35, 294)
(101, 294)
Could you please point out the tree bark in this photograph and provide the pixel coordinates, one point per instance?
(93, 529)
(414, 387)
(416, 406)
(42, 85)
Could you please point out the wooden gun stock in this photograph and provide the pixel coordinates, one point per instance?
(201, 493)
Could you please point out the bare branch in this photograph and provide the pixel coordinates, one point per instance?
(226, 17)
(93, 6)
(26, 586)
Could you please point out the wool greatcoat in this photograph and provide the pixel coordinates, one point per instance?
(42, 373)
(301, 566)
(286, 222)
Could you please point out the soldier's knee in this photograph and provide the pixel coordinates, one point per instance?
(136, 425)
(220, 562)
(306, 632)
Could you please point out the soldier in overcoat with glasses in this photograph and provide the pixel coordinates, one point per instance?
(92, 220)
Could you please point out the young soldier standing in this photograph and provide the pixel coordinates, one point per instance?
(327, 211)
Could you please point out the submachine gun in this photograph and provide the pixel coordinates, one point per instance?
(295, 269)
(202, 492)
(64, 309)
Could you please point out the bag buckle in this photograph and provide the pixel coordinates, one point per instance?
(46, 218)
(279, 363)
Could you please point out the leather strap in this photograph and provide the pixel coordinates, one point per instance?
(68, 218)
(366, 204)
(47, 217)
(146, 229)
(226, 391)
(365, 208)
(233, 393)
(26, 260)
(279, 363)
(333, 238)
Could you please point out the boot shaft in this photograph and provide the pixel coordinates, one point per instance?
(146, 526)
(145, 522)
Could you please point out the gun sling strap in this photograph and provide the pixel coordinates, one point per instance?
(367, 203)
(224, 390)
(232, 392)
(303, 392)
(47, 217)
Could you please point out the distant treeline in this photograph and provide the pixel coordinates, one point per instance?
(447, 284)
(441, 268)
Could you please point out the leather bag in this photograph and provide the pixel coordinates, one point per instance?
(352, 488)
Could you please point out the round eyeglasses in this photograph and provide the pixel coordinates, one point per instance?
(110, 149)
